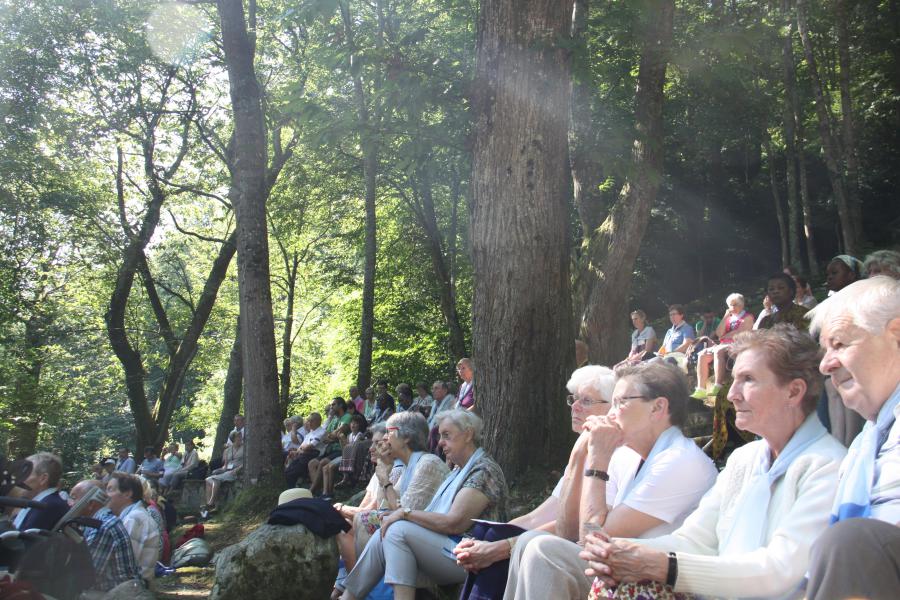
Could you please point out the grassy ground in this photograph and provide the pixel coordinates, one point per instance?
(250, 510)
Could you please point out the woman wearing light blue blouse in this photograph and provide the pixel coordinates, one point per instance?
(416, 545)
(643, 338)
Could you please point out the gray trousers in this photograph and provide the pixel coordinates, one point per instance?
(408, 555)
(856, 558)
(544, 566)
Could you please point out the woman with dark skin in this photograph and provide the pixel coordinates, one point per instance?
(781, 290)
(841, 272)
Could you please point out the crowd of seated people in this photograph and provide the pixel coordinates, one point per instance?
(640, 510)
(131, 533)
(316, 453)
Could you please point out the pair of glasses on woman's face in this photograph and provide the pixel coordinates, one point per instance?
(571, 399)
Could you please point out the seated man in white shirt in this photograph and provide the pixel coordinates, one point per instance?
(859, 555)
(313, 445)
(126, 495)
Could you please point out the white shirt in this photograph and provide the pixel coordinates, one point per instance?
(144, 534)
(314, 439)
(670, 490)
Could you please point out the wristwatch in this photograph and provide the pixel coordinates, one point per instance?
(406, 510)
(603, 475)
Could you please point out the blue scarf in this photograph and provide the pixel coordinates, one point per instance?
(408, 473)
(663, 442)
(854, 493)
(443, 498)
(749, 525)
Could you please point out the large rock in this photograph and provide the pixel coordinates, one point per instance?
(276, 561)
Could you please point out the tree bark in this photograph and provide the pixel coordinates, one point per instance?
(610, 250)
(833, 153)
(789, 120)
(522, 329)
(231, 393)
(248, 194)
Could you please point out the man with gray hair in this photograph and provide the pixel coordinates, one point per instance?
(109, 544)
(42, 483)
(859, 555)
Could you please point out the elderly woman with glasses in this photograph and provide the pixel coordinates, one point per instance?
(752, 532)
(639, 477)
(485, 555)
(416, 545)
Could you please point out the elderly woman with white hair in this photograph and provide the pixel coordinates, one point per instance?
(752, 532)
(883, 262)
(639, 477)
(485, 554)
(735, 320)
(415, 546)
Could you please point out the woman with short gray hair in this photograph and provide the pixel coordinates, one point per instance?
(407, 435)
(422, 474)
(415, 545)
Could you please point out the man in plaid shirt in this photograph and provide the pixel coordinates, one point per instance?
(109, 544)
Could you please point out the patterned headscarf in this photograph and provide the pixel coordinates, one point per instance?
(853, 263)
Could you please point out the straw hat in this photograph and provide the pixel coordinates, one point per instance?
(293, 494)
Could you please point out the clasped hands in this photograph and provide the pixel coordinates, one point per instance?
(604, 436)
(615, 560)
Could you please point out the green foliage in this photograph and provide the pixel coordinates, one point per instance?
(79, 79)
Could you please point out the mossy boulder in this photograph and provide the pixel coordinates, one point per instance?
(277, 561)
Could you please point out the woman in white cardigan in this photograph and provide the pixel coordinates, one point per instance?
(751, 534)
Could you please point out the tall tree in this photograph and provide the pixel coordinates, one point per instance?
(369, 146)
(522, 328)
(250, 187)
(611, 246)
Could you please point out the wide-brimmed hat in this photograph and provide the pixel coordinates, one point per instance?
(293, 494)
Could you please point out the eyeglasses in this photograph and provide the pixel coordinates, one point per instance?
(623, 400)
(571, 399)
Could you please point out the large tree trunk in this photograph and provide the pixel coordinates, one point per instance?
(522, 328)
(231, 393)
(610, 250)
(848, 126)
(789, 121)
(833, 152)
(369, 148)
(248, 194)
